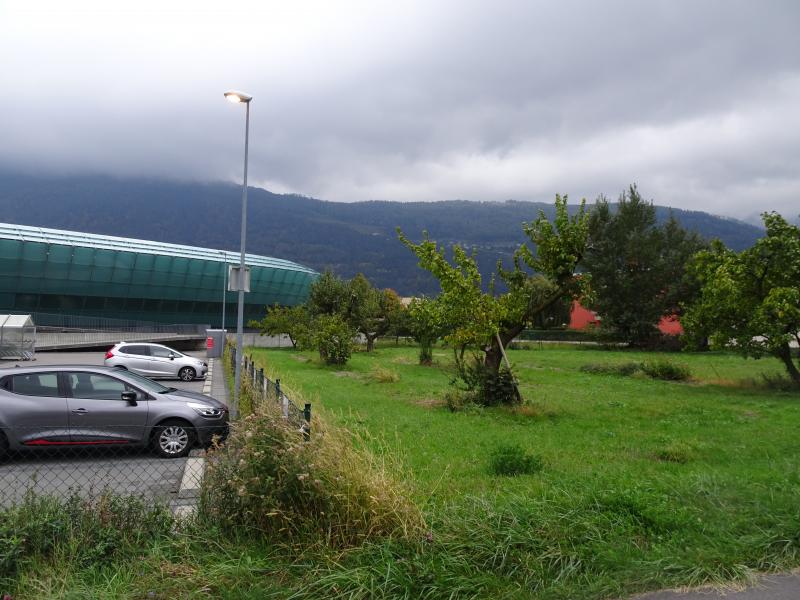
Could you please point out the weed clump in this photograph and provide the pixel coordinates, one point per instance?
(458, 400)
(326, 490)
(625, 369)
(657, 369)
(385, 375)
(666, 370)
(513, 459)
(89, 532)
(675, 452)
(778, 383)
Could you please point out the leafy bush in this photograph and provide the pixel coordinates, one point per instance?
(333, 338)
(513, 459)
(663, 369)
(492, 389)
(626, 369)
(266, 478)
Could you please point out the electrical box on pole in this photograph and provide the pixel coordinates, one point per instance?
(236, 281)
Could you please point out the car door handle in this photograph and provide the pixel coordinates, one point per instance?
(80, 411)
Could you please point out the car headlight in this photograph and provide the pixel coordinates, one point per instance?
(204, 410)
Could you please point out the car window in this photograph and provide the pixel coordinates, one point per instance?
(36, 384)
(144, 382)
(94, 386)
(162, 352)
(135, 349)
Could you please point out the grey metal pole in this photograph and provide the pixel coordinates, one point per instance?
(224, 291)
(240, 316)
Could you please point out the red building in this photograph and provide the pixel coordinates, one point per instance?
(581, 318)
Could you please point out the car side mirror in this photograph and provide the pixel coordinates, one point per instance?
(130, 398)
(171, 356)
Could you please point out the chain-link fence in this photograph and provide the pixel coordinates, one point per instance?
(161, 463)
(266, 390)
(70, 430)
(84, 431)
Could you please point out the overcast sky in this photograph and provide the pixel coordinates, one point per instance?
(696, 101)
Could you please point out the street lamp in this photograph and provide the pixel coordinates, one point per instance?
(237, 98)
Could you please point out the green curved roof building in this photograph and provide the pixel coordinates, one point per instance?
(81, 274)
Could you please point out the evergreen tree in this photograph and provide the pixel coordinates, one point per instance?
(636, 267)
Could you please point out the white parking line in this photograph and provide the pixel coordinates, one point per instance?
(209, 377)
(192, 475)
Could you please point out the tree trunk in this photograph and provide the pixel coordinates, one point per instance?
(785, 354)
(494, 356)
(426, 354)
(370, 341)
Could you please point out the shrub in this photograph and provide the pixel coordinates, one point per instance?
(333, 338)
(626, 369)
(491, 388)
(663, 369)
(267, 479)
(513, 459)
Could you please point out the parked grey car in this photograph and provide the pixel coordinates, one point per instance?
(155, 360)
(80, 405)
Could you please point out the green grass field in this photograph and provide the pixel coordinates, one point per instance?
(645, 482)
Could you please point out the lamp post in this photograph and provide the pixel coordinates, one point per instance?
(237, 98)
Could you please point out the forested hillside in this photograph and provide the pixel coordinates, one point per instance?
(346, 237)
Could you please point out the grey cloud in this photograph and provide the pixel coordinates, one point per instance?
(481, 100)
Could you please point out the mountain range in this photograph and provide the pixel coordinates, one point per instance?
(347, 238)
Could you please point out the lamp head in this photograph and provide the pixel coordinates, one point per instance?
(237, 97)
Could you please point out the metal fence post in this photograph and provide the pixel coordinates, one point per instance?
(307, 415)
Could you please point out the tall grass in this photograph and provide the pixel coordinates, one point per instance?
(83, 531)
(331, 489)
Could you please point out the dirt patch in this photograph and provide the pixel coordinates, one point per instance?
(350, 374)
(300, 357)
(430, 402)
(404, 360)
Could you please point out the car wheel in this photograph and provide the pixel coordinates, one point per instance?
(186, 374)
(173, 439)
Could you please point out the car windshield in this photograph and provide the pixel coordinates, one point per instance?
(148, 384)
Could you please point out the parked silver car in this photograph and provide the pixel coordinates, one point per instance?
(155, 360)
(53, 406)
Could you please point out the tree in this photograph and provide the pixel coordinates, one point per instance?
(750, 301)
(398, 321)
(427, 324)
(487, 322)
(294, 321)
(333, 338)
(329, 295)
(636, 267)
(366, 311)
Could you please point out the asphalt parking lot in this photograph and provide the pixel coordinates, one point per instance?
(89, 471)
